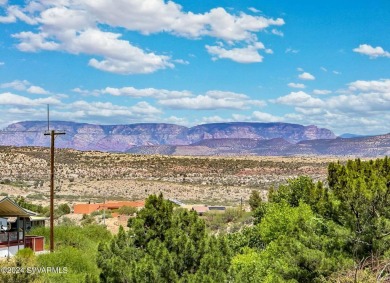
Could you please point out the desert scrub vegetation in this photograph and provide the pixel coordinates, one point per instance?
(231, 220)
(83, 174)
(21, 201)
(59, 210)
(127, 210)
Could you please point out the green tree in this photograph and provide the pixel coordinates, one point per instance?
(362, 191)
(248, 237)
(152, 221)
(64, 208)
(164, 245)
(255, 200)
(21, 201)
(246, 267)
(303, 189)
(299, 246)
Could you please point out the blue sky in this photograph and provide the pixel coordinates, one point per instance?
(325, 63)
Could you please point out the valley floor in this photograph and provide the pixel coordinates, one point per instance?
(95, 176)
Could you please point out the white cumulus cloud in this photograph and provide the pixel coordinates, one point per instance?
(371, 86)
(254, 10)
(248, 54)
(16, 84)
(306, 76)
(24, 85)
(291, 50)
(145, 92)
(296, 85)
(33, 42)
(37, 90)
(277, 32)
(152, 16)
(110, 110)
(299, 98)
(89, 27)
(213, 119)
(372, 52)
(9, 17)
(211, 100)
(120, 56)
(362, 108)
(321, 91)
(8, 98)
(202, 102)
(265, 117)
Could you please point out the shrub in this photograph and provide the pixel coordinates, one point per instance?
(77, 264)
(127, 210)
(64, 208)
(87, 220)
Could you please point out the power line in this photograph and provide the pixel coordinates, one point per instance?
(96, 146)
(67, 132)
(18, 132)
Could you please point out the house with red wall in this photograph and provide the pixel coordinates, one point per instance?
(87, 208)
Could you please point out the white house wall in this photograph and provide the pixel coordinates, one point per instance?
(12, 251)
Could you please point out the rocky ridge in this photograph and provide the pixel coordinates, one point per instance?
(123, 138)
(373, 146)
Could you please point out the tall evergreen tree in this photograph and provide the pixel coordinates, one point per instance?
(164, 245)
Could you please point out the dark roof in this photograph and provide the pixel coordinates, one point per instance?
(217, 207)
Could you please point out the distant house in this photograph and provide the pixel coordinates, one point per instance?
(200, 209)
(89, 208)
(85, 208)
(38, 221)
(13, 233)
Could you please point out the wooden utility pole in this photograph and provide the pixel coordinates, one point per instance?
(52, 134)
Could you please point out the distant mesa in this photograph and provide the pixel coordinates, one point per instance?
(236, 138)
(124, 137)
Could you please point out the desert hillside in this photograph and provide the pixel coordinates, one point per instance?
(92, 175)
